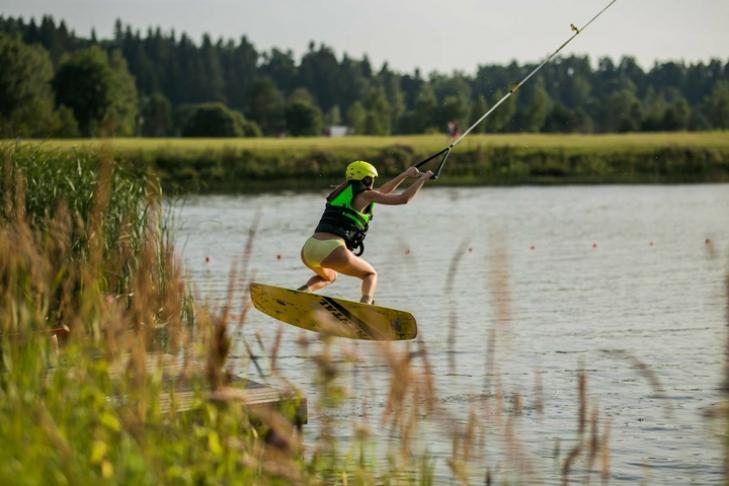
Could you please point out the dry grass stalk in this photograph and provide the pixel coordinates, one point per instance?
(581, 421)
(470, 435)
(230, 294)
(246, 259)
(7, 180)
(567, 464)
(514, 448)
(582, 395)
(646, 372)
(538, 394)
(327, 373)
(498, 402)
(402, 381)
(595, 444)
(410, 393)
(605, 454)
(498, 284)
(427, 377)
(517, 407)
(725, 384)
(240, 277)
(275, 350)
(499, 278)
(457, 461)
(594, 441)
(452, 313)
(491, 371)
(725, 387)
(218, 350)
(463, 443)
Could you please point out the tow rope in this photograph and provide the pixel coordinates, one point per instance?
(446, 151)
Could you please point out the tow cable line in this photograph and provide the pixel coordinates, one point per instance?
(446, 151)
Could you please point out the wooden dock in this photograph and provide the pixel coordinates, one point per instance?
(259, 398)
(182, 391)
(183, 387)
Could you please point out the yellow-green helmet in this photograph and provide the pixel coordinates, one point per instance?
(359, 169)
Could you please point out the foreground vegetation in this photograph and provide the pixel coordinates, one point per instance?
(92, 295)
(244, 165)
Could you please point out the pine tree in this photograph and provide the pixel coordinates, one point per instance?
(212, 85)
(500, 118)
(425, 110)
(281, 68)
(121, 116)
(156, 116)
(716, 105)
(377, 121)
(267, 106)
(356, 118)
(478, 109)
(395, 98)
(319, 74)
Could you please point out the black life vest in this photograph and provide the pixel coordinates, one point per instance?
(340, 217)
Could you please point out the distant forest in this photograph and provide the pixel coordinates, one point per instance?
(55, 83)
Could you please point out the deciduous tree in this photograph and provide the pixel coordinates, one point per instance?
(26, 97)
(101, 94)
(303, 117)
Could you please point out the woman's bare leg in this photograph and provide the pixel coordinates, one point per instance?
(344, 261)
(324, 278)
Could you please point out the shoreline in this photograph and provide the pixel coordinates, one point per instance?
(233, 166)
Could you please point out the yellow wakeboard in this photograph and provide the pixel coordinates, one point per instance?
(337, 317)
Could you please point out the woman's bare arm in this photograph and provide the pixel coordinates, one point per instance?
(392, 184)
(403, 197)
(395, 182)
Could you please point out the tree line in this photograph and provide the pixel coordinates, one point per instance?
(55, 83)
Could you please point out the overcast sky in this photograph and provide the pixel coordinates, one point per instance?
(438, 35)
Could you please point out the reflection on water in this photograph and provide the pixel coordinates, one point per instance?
(625, 282)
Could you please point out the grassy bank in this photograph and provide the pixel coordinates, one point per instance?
(247, 165)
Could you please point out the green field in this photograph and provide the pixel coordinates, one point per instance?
(255, 164)
(718, 139)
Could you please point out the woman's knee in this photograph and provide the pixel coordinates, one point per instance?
(329, 275)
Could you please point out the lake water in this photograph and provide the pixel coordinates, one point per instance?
(603, 279)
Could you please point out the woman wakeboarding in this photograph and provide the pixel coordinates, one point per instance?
(338, 239)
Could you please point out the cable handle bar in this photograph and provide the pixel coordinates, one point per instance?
(446, 151)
